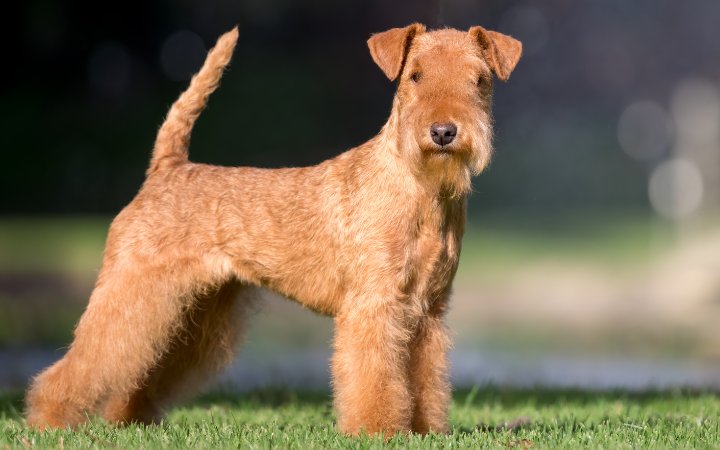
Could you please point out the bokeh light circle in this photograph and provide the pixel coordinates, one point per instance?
(695, 107)
(109, 67)
(645, 130)
(676, 188)
(182, 54)
(528, 24)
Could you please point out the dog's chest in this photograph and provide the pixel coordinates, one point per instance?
(434, 254)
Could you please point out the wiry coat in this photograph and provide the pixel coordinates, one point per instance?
(371, 237)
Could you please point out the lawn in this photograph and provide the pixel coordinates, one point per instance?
(538, 418)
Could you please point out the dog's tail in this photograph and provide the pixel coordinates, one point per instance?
(173, 138)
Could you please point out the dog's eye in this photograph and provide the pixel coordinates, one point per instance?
(415, 77)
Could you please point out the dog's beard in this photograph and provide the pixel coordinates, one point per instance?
(450, 169)
(456, 178)
(481, 144)
(447, 172)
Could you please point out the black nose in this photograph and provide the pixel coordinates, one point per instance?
(443, 133)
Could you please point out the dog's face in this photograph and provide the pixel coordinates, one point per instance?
(444, 96)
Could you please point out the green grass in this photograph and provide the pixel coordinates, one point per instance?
(264, 419)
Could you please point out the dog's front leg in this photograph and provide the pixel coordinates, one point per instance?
(428, 371)
(370, 368)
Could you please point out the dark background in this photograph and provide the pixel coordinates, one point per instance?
(85, 89)
(593, 244)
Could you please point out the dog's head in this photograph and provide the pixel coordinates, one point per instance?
(442, 107)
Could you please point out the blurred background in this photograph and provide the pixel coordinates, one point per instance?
(592, 255)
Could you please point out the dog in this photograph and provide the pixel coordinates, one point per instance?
(371, 238)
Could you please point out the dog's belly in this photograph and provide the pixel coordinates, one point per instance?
(309, 283)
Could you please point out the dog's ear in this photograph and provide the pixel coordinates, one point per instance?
(389, 48)
(501, 52)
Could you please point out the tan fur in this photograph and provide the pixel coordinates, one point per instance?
(371, 237)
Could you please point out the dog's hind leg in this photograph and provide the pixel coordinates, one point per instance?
(204, 345)
(128, 325)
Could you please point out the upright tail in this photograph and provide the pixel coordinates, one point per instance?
(173, 138)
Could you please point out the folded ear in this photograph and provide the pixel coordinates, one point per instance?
(389, 48)
(502, 52)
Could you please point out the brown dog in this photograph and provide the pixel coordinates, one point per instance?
(370, 237)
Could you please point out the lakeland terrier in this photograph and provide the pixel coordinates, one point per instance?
(371, 238)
